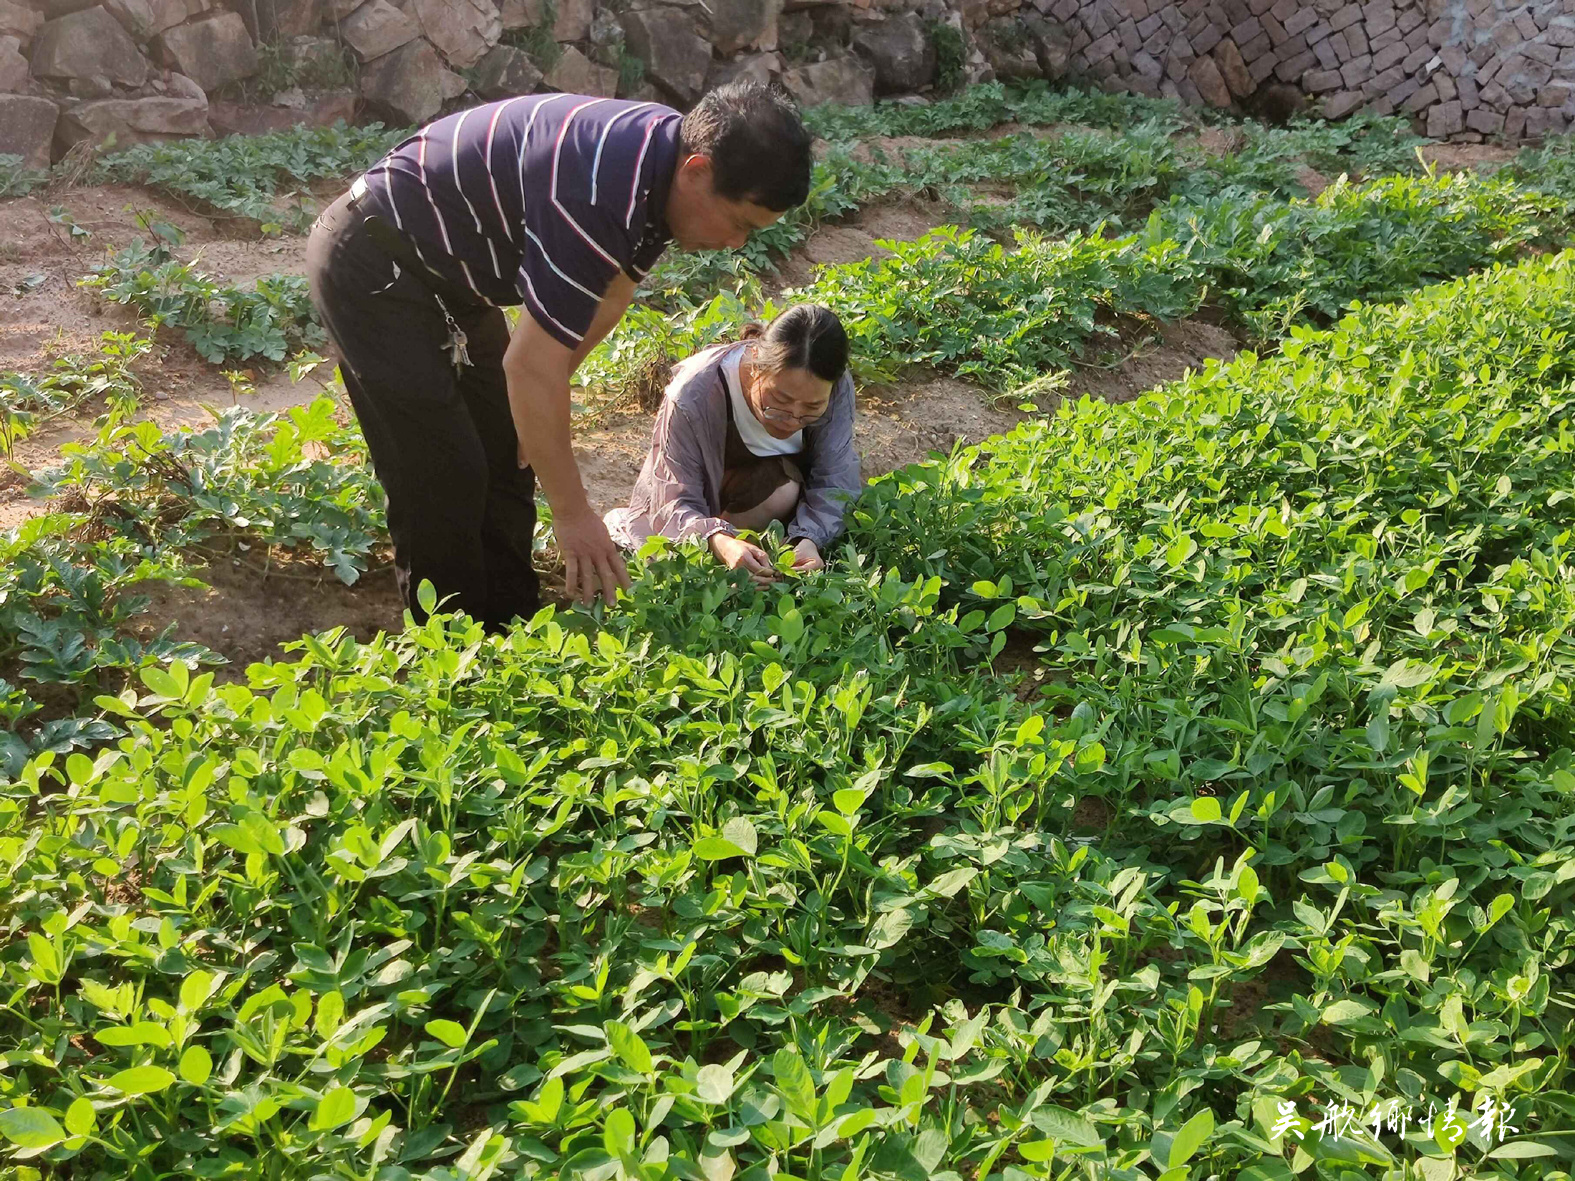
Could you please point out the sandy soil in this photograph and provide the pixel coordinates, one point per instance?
(246, 615)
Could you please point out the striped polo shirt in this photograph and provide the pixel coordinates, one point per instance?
(538, 200)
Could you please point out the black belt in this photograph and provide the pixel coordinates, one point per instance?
(394, 243)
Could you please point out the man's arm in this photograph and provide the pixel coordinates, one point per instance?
(537, 368)
(615, 302)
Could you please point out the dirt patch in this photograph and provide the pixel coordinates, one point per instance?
(854, 239)
(900, 425)
(1453, 157)
(1217, 141)
(246, 616)
(1019, 665)
(1165, 356)
(1311, 179)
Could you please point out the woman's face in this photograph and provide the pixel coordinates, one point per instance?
(786, 400)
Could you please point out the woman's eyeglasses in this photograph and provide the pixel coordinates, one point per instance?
(787, 418)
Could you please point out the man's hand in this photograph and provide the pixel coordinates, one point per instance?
(738, 554)
(806, 557)
(590, 559)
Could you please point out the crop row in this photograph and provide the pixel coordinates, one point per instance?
(750, 883)
(969, 305)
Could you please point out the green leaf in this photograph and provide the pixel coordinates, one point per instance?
(451, 1033)
(196, 1064)
(29, 1127)
(1206, 810)
(1067, 1127)
(714, 1084)
(337, 1106)
(1192, 1136)
(141, 1080)
(81, 1119)
(630, 1047)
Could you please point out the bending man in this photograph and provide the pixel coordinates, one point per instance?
(560, 203)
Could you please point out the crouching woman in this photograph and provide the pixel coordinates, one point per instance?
(748, 433)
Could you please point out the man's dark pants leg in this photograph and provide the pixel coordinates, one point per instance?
(460, 509)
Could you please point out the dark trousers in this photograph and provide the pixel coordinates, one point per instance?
(460, 509)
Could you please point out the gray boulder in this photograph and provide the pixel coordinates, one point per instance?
(1008, 48)
(133, 121)
(88, 44)
(900, 52)
(757, 67)
(27, 128)
(505, 72)
(279, 20)
(676, 57)
(13, 66)
(376, 29)
(406, 85)
(845, 80)
(572, 19)
(19, 20)
(135, 16)
(744, 24)
(462, 30)
(213, 51)
(169, 13)
(1051, 44)
(574, 73)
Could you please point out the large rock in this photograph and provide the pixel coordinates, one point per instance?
(574, 73)
(676, 57)
(133, 121)
(763, 68)
(323, 109)
(406, 85)
(462, 30)
(27, 128)
(505, 72)
(19, 20)
(1233, 68)
(169, 13)
(744, 24)
(1210, 82)
(571, 19)
(900, 52)
(213, 51)
(135, 16)
(376, 29)
(278, 20)
(13, 66)
(88, 44)
(844, 80)
(1051, 44)
(1008, 48)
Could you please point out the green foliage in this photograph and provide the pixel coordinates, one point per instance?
(271, 321)
(1002, 316)
(16, 180)
(776, 883)
(297, 481)
(537, 40)
(280, 68)
(951, 55)
(27, 400)
(980, 107)
(266, 178)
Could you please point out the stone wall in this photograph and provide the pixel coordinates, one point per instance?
(137, 70)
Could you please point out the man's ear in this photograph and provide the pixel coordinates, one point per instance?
(696, 169)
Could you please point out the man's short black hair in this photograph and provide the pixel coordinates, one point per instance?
(759, 149)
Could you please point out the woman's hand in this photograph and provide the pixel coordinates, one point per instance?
(738, 554)
(806, 557)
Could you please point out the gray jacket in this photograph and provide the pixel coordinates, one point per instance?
(678, 494)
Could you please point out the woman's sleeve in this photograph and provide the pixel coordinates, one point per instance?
(679, 509)
(832, 482)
